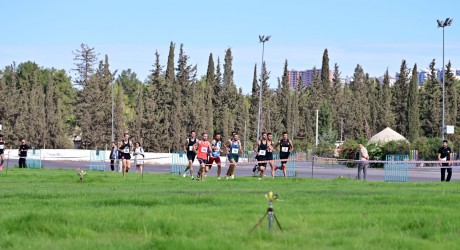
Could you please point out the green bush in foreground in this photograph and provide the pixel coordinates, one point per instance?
(51, 209)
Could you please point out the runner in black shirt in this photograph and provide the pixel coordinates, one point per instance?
(445, 154)
(23, 154)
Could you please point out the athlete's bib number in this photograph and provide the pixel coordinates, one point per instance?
(284, 149)
(190, 148)
(262, 152)
(234, 151)
(126, 151)
(204, 150)
(2, 146)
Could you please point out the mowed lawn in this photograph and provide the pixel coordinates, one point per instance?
(51, 209)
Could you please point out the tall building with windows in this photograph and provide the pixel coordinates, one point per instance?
(305, 75)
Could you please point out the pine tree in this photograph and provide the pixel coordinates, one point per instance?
(401, 89)
(85, 62)
(413, 117)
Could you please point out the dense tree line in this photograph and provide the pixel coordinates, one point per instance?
(45, 107)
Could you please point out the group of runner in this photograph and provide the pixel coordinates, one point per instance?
(123, 151)
(207, 153)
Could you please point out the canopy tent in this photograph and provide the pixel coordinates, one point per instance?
(387, 135)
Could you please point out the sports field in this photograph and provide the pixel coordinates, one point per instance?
(51, 209)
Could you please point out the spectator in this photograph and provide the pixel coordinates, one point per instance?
(445, 154)
(23, 154)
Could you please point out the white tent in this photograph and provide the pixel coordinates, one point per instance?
(387, 135)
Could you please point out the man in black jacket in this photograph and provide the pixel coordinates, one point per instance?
(445, 154)
(23, 154)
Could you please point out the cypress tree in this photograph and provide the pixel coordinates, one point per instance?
(265, 117)
(119, 112)
(431, 101)
(284, 109)
(153, 120)
(254, 107)
(386, 117)
(413, 107)
(325, 68)
(175, 101)
(209, 98)
(451, 96)
(217, 101)
(400, 99)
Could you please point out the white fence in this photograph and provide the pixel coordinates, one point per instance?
(84, 155)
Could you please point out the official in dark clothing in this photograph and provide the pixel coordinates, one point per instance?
(445, 154)
(23, 154)
(113, 156)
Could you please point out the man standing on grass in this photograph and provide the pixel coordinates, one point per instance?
(189, 150)
(445, 154)
(363, 157)
(23, 154)
(233, 148)
(216, 146)
(202, 149)
(286, 147)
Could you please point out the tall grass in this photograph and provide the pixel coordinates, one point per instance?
(51, 209)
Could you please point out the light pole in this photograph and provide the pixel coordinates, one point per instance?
(113, 139)
(262, 39)
(442, 25)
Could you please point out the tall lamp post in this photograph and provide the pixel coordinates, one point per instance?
(443, 24)
(113, 139)
(262, 39)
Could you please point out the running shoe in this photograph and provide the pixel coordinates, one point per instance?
(233, 176)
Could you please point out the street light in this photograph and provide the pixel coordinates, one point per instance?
(262, 39)
(442, 25)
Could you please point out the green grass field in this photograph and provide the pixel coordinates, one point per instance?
(51, 209)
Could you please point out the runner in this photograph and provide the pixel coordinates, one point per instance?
(2, 152)
(233, 148)
(126, 149)
(270, 153)
(285, 150)
(202, 149)
(188, 149)
(260, 148)
(216, 146)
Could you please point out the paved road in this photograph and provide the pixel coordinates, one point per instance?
(303, 170)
